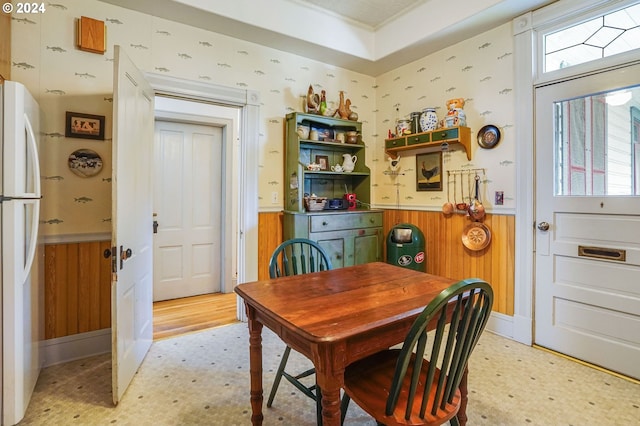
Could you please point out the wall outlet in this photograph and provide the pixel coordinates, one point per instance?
(274, 197)
(499, 198)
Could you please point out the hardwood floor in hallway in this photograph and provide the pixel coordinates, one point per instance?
(179, 316)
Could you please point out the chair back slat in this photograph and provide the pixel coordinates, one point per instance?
(461, 312)
(298, 256)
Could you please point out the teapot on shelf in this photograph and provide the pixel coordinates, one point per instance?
(337, 168)
(349, 162)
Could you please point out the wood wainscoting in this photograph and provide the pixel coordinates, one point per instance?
(77, 288)
(78, 279)
(446, 255)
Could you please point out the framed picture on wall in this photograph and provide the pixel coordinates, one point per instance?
(429, 171)
(84, 126)
(323, 161)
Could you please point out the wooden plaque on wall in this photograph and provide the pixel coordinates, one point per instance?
(91, 35)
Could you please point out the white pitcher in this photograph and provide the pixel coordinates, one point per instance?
(349, 162)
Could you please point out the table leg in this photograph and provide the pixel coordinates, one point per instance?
(464, 398)
(331, 407)
(255, 368)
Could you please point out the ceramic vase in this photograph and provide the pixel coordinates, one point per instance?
(428, 119)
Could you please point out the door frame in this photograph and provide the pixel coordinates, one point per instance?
(245, 161)
(527, 30)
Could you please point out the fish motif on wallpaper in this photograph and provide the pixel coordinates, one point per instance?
(139, 46)
(408, 88)
(57, 49)
(450, 58)
(505, 55)
(224, 65)
(57, 177)
(108, 180)
(485, 113)
(484, 45)
(273, 182)
(58, 6)
(240, 84)
(422, 69)
(291, 79)
(505, 91)
(85, 75)
(242, 52)
(258, 72)
(55, 91)
(23, 20)
(275, 61)
(54, 135)
(467, 68)
(204, 77)
(114, 21)
(164, 33)
(451, 89)
(434, 79)
(55, 221)
(506, 163)
(330, 75)
(487, 78)
(184, 56)
(162, 69)
(23, 65)
(408, 197)
(205, 44)
(82, 200)
(397, 78)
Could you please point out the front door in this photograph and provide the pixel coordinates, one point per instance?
(587, 301)
(188, 203)
(131, 289)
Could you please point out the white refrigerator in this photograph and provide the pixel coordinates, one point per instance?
(22, 254)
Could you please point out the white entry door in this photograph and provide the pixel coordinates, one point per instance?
(188, 202)
(131, 289)
(587, 302)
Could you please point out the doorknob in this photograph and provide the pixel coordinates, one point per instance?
(124, 255)
(543, 226)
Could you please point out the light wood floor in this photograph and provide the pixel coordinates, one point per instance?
(180, 316)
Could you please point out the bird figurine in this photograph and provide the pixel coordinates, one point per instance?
(344, 107)
(323, 102)
(428, 174)
(313, 101)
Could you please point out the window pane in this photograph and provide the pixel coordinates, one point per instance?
(597, 38)
(597, 145)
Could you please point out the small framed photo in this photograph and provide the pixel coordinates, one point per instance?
(323, 161)
(429, 171)
(84, 126)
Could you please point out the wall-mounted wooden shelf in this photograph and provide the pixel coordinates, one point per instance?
(434, 139)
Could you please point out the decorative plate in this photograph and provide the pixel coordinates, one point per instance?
(488, 136)
(85, 162)
(476, 236)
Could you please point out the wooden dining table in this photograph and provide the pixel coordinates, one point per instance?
(334, 318)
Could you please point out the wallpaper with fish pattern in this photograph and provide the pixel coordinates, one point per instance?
(63, 78)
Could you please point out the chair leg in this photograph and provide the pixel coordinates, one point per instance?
(344, 405)
(276, 382)
(318, 405)
(454, 421)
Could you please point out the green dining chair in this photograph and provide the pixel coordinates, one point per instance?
(294, 257)
(418, 384)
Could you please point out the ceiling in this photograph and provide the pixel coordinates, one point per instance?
(367, 36)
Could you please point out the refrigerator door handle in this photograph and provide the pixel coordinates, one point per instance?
(33, 240)
(32, 149)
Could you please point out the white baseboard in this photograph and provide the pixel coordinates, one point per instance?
(500, 324)
(77, 346)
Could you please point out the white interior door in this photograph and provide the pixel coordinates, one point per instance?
(587, 301)
(131, 299)
(188, 203)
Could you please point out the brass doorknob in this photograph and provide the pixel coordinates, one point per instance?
(543, 226)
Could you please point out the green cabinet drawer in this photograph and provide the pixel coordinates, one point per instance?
(418, 139)
(445, 134)
(341, 221)
(395, 143)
